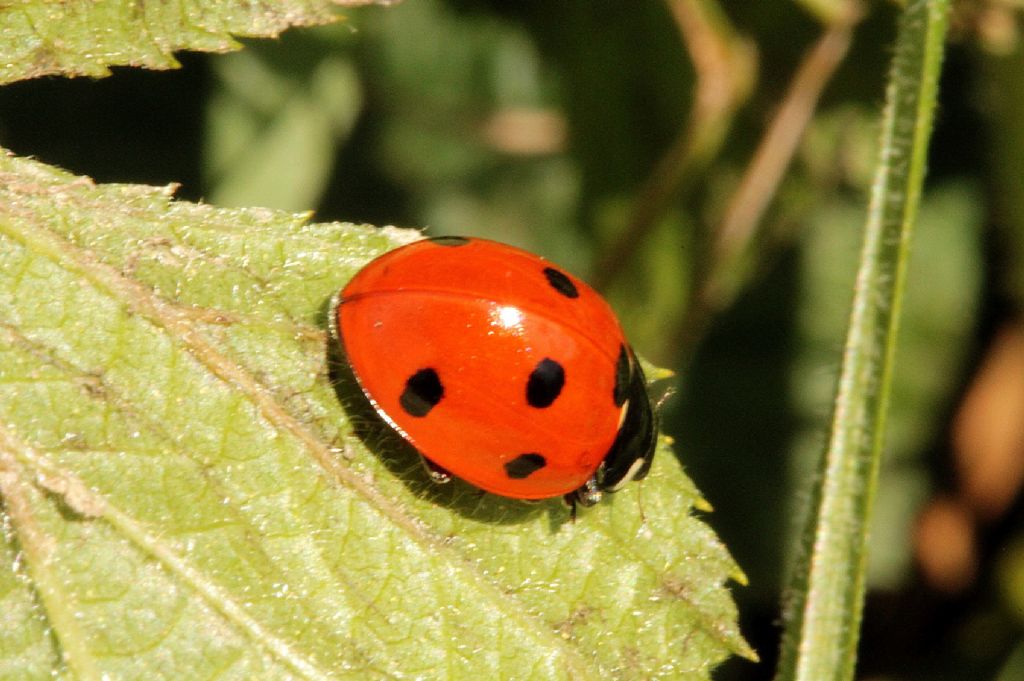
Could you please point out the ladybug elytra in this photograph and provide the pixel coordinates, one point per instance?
(498, 367)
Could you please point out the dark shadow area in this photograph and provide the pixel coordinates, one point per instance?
(134, 126)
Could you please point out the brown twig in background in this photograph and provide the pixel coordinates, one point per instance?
(780, 142)
(724, 68)
(763, 175)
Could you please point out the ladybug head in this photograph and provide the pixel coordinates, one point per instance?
(632, 452)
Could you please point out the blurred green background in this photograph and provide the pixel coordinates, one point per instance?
(617, 139)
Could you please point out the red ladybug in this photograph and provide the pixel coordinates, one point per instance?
(499, 368)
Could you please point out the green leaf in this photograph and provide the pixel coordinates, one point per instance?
(826, 601)
(272, 136)
(84, 37)
(183, 495)
(1014, 666)
(1004, 102)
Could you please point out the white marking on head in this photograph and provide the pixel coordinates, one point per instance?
(630, 474)
(622, 415)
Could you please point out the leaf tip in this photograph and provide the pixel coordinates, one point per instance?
(703, 505)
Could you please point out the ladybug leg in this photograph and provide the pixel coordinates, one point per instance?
(438, 475)
(587, 495)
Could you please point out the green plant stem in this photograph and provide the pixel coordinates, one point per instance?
(826, 597)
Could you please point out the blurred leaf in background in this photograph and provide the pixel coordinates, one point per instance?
(276, 121)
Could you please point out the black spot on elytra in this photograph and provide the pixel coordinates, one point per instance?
(525, 465)
(561, 283)
(423, 390)
(622, 376)
(449, 240)
(545, 383)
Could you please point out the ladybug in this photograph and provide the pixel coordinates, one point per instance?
(499, 368)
